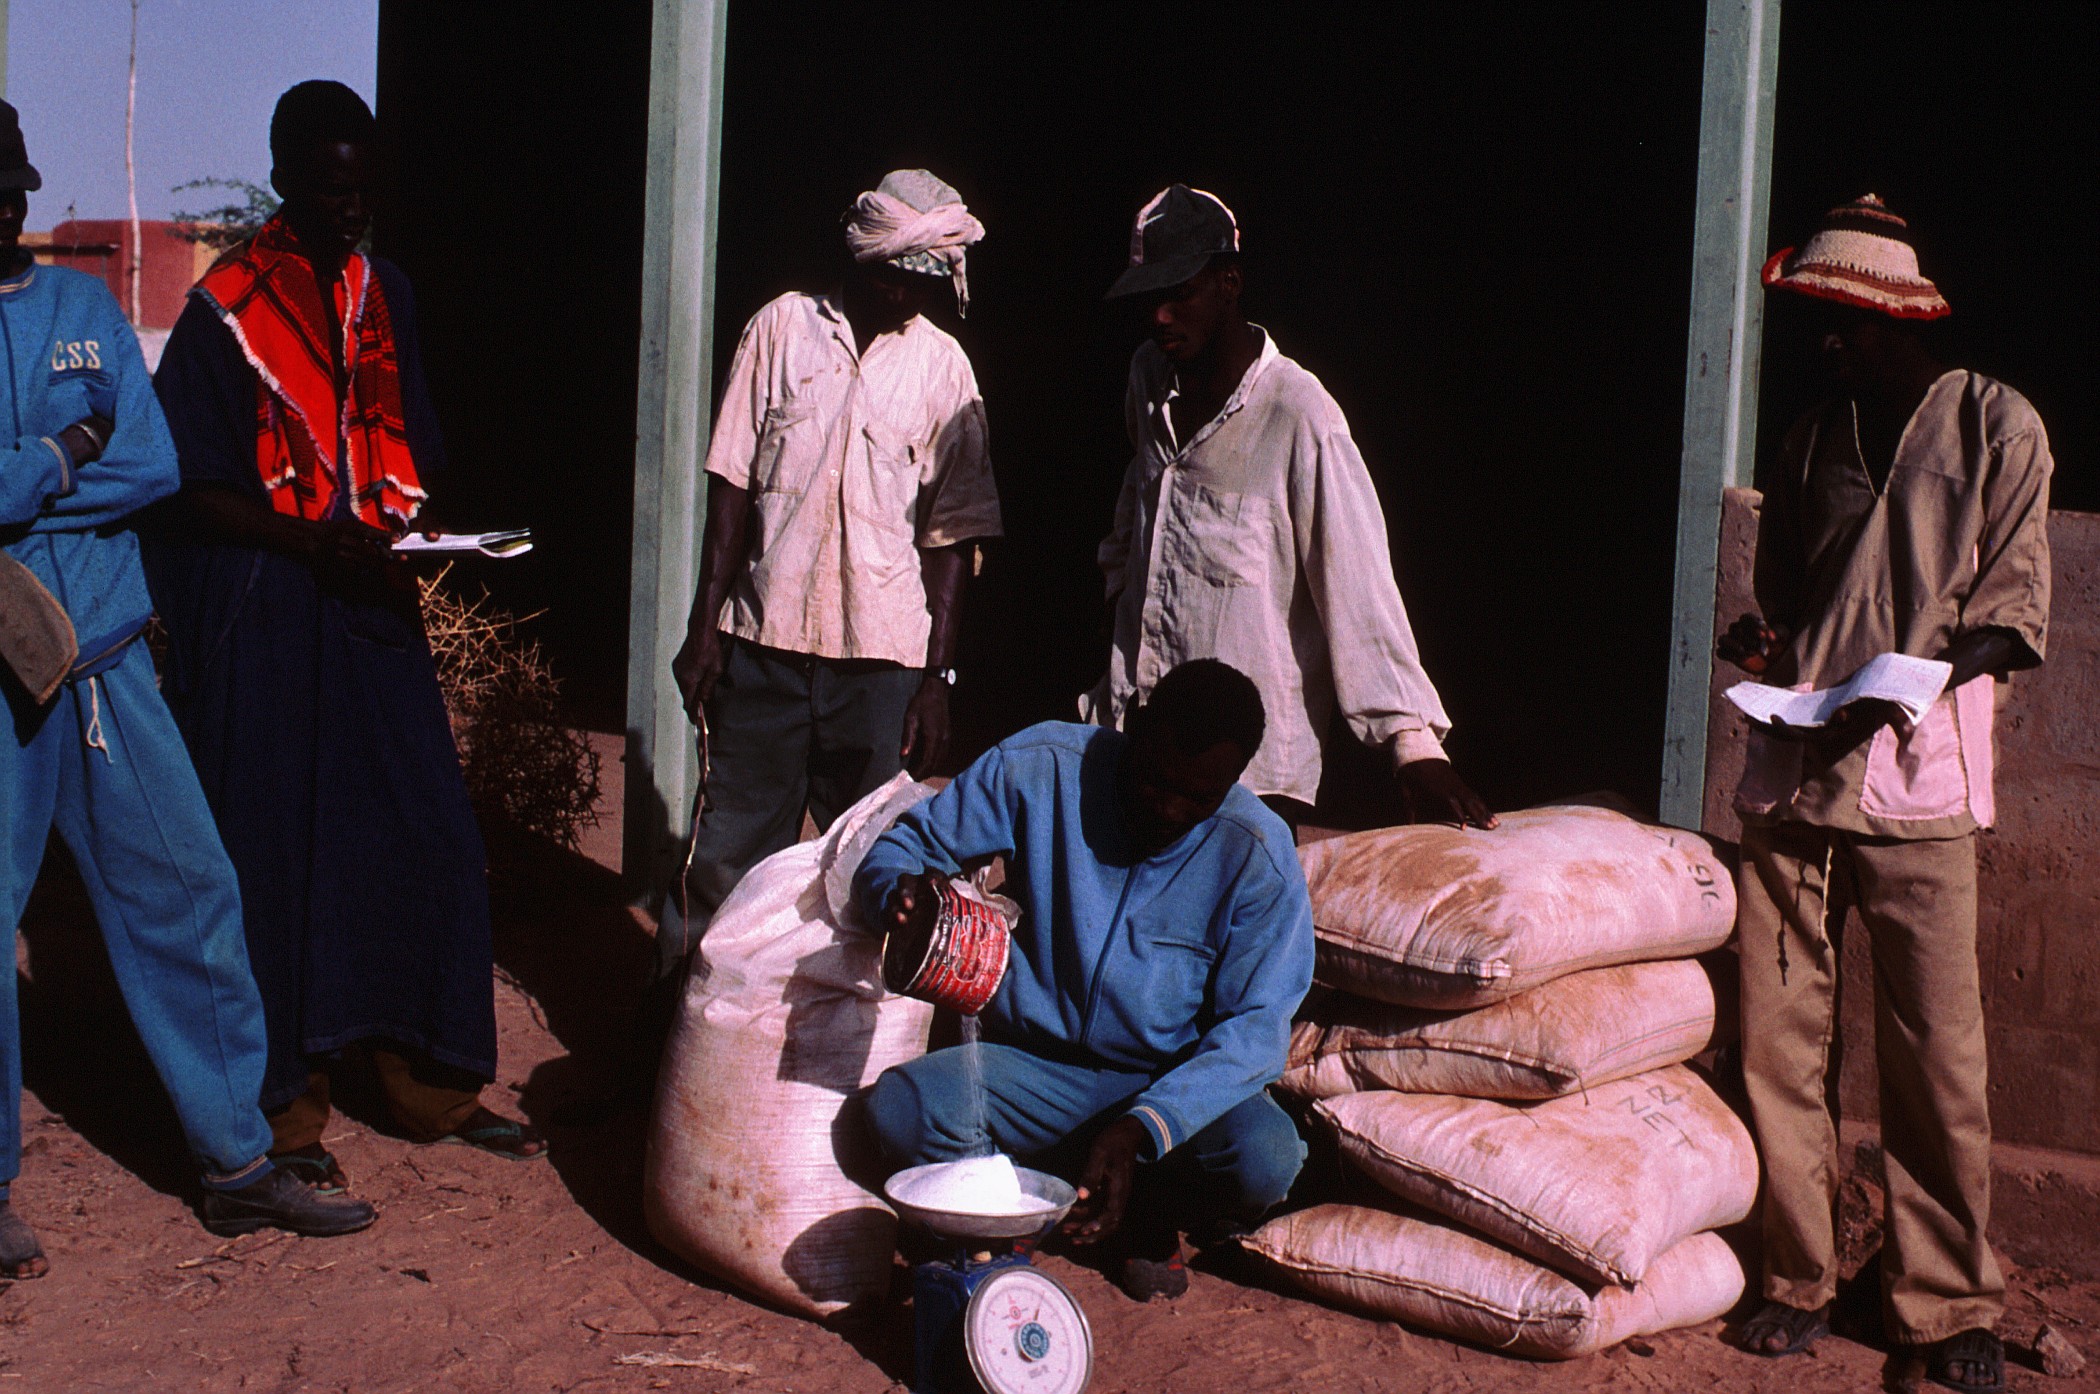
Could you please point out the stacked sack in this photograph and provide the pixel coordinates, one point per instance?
(1498, 1043)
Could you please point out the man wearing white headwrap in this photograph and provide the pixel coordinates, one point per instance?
(849, 484)
(915, 222)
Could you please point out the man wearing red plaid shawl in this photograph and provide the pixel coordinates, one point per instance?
(297, 664)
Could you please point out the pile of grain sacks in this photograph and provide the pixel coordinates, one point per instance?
(1497, 1043)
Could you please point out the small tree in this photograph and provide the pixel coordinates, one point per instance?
(247, 207)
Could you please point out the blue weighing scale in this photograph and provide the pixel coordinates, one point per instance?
(993, 1324)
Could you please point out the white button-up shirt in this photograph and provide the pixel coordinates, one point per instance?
(1260, 542)
(854, 461)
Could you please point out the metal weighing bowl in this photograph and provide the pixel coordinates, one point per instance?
(1051, 1195)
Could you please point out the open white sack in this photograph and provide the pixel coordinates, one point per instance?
(757, 1131)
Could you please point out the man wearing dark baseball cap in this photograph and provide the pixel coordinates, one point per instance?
(15, 170)
(1249, 531)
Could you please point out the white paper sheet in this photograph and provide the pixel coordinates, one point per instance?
(1913, 684)
(514, 542)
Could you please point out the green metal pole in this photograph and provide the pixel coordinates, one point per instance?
(671, 424)
(1721, 361)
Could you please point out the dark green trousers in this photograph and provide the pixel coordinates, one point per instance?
(788, 732)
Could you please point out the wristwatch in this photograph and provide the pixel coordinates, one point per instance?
(946, 675)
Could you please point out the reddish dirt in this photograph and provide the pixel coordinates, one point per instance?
(486, 1275)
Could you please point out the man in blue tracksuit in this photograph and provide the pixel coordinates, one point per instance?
(84, 446)
(1164, 943)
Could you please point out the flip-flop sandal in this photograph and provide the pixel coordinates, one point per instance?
(1801, 1328)
(318, 1169)
(19, 1249)
(1972, 1347)
(484, 1139)
(1143, 1279)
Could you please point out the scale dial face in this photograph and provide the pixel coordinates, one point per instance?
(1026, 1335)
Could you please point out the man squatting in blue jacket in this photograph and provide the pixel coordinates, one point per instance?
(1164, 943)
(85, 447)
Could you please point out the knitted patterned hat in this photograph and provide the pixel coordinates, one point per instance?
(1860, 256)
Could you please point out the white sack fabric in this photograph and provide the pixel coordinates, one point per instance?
(1599, 1185)
(1443, 917)
(1580, 1031)
(785, 1020)
(1442, 1279)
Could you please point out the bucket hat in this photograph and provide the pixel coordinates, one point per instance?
(1860, 256)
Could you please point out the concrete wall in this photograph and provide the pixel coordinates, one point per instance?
(2039, 902)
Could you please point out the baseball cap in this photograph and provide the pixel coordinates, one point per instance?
(15, 170)
(1175, 236)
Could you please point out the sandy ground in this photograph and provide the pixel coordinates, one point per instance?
(489, 1275)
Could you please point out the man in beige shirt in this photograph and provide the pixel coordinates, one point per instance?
(1248, 530)
(848, 483)
(1907, 514)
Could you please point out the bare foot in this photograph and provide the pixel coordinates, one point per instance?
(492, 1132)
(1777, 1329)
(316, 1166)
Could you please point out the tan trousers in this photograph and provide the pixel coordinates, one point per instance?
(425, 1111)
(1917, 901)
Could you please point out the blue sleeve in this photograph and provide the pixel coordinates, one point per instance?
(1263, 973)
(973, 817)
(208, 391)
(137, 467)
(426, 443)
(35, 473)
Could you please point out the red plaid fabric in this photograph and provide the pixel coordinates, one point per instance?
(315, 442)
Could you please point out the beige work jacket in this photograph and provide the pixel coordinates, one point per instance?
(1957, 541)
(1260, 541)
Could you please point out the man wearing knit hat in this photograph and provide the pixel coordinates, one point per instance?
(1907, 514)
(1248, 530)
(849, 484)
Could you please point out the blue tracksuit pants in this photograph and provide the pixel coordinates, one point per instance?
(103, 763)
(1047, 1112)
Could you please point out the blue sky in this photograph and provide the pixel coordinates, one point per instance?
(209, 72)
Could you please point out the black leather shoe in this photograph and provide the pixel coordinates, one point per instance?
(281, 1200)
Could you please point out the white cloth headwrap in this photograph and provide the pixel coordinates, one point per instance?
(884, 227)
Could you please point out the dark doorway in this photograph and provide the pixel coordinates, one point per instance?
(1473, 222)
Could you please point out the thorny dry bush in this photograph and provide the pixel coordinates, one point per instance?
(520, 761)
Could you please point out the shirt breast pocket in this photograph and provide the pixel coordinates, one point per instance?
(888, 494)
(1227, 536)
(1178, 962)
(788, 448)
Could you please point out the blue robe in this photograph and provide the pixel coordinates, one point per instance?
(320, 735)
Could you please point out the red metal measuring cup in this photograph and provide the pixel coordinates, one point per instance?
(959, 965)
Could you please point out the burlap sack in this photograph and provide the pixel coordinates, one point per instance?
(1579, 1031)
(1599, 1184)
(1442, 917)
(1433, 1275)
(756, 1137)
